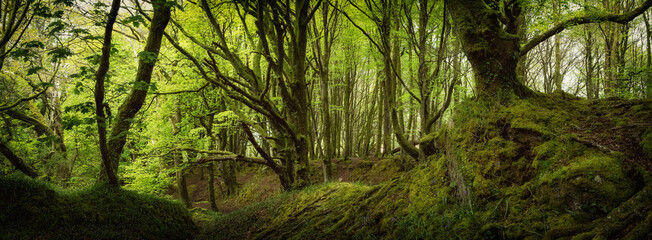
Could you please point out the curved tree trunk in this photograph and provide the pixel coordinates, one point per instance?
(135, 99)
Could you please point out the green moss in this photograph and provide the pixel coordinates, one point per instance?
(514, 171)
(646, 142)
(30, 209)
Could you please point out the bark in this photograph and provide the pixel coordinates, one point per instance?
(323, 63)
(557, 74)
(588, 51)
(349, 85)
(423, 71)
(371, 109)
(488, 49)
(405, 144)
(182, 187)
(108, 172)
(384, 29)
(136, 97)
(39, 125)
(648, 81)
(64, 168)
(211, 186)
(379, 128)
(227, 168)
(207, 123)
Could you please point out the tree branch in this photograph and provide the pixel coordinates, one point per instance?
(10, 106)
(589, 18)
(17, 161)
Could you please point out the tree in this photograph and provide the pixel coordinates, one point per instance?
(488, 31)
(25, 43)
(323, 51)
(112, 151)
(275, 22)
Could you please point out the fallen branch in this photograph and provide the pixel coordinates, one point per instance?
(593, 144)
(233, 157)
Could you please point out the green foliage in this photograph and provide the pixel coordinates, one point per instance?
(59, 53)
(147, 57)
(31, 209)
(56, 27)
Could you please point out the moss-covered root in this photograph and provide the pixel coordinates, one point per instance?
(635, 211)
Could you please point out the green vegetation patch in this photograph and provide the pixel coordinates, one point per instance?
(30, 209)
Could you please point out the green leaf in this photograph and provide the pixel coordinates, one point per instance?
(152, 87)
(56, 27)
(33, 44)
(140, 85)
(79, 31)
(134, 20)
(59, 53)
(33, 70)
(67, 3)
(21, 53)
(147, 57)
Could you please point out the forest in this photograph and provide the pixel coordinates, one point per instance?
(325, 119)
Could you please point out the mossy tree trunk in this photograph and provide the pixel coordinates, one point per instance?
(648, 40)
(34, 118)
(589, 64)
(112, 151)
(557, 72)
(107, 171)
(491, 47)
(182, 186)
(207, 123)
(17, 162)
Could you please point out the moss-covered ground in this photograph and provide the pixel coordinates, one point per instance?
(31, 209)
(549, 167)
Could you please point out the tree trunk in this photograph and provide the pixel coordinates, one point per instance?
(182, 187)
(648, 80)
(135, 99)
(557, 74)
(588, 51)
(493, 57)
(348, 111)
(211, 186)
(324, 71)
(109, 173)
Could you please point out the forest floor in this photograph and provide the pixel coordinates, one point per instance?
(257, 183)
(549, 167)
